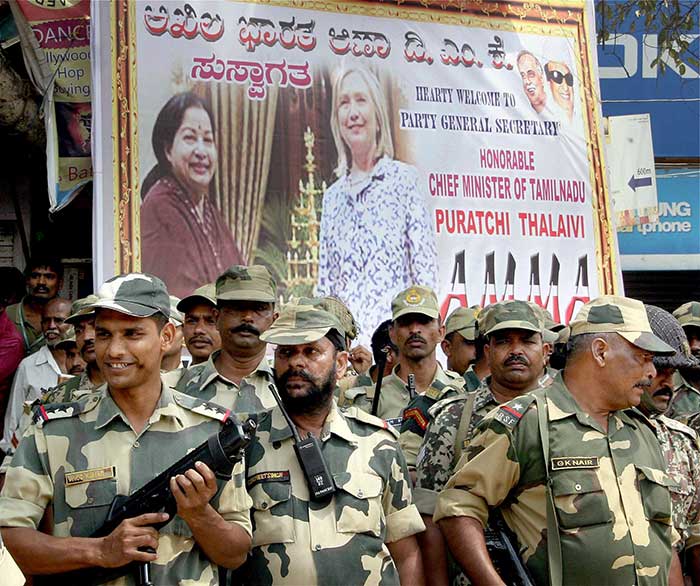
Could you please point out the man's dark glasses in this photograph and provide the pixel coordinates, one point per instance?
(557, 77)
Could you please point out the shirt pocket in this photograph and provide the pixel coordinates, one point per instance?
(88, 504)
(273, 513)
(579, 499)
(654, 485)
(358, 503)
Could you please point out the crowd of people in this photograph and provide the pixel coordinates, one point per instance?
(540, 453)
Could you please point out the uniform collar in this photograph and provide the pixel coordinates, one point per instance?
(440, 376)
(108, 410)
(209, 372)
(335, 425)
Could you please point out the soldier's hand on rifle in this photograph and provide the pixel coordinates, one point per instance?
(360, 358)
(193, 490)
(122, 545)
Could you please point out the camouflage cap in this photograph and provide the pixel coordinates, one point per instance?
(246, 283)
(548, 335)
(81, 309)
(134, 294)
(176, 318)
(335, 306)
(463, 321)
(688, 314)
(666, 327)
(622, 315)
(205, 294)
(67, 338)
(510, 315)
(415, 299)
(301, 322)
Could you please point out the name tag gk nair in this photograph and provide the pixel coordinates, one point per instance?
(90, 475)
(572, 462)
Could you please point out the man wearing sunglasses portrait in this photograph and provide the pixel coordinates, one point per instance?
(561, 85)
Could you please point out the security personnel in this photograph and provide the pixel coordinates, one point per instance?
(686, 396)
(78, 456)
(238, 375)
(516, 359)
(679, 443)
(578, 477)
(364, 532)
(201, 335)
(459, 344)
(416, 330)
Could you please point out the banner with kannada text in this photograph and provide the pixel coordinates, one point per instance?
(356, 148)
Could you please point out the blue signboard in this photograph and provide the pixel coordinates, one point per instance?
(629, 85)
(674, 241)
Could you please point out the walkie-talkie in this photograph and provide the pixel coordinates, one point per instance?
(411, 386)
(318, 478)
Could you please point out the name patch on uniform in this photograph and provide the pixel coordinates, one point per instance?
(570, 462)
(91, 475)
(507, 416)
(395, 422)
(417, 416)
(271, 476)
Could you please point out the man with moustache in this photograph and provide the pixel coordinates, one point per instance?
(515, 354)
(532, 77)
(43, 278)
(364, 532)
(577, 476)
(238, 376)
(38, 372)
(201, 336)
(78, 456)
(82, 319)
(686, 381)
(679, 443)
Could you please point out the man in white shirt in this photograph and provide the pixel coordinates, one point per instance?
(38, 372)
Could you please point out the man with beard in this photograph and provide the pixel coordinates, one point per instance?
(38, 372)
(363, 533)
(679, 443)
(532, 77)
(515, 353)
(577, 476)
(686, 382)
(82, 319)
(201, 336)
(77, 457)
(43, 278)
(238, 375)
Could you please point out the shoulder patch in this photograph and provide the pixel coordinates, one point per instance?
(678, 426)
(205, 408)
(510, 413)
(364, 417)
(52, 411)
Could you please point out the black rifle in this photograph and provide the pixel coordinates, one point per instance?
(499, 543)
(381, 365)
(220, 452)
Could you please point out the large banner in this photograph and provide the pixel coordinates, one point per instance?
(356, 148)
(55, 36)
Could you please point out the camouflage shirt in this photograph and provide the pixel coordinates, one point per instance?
(69, 391)
(685, 401)
(416, 415)
(80, 455)
(679, 446)
(610, 489)
(471, 380)
(341, 540)
(251, 396)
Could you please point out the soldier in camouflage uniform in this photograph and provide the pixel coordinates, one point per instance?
(679, 443)
(201, 336)
(238, 375)
(172, 358)
(686, 396)
(459, 344)
(416, 331)
(78, 456)
(575, 450)
(82, 318)
(362, 534)
(510, 328)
